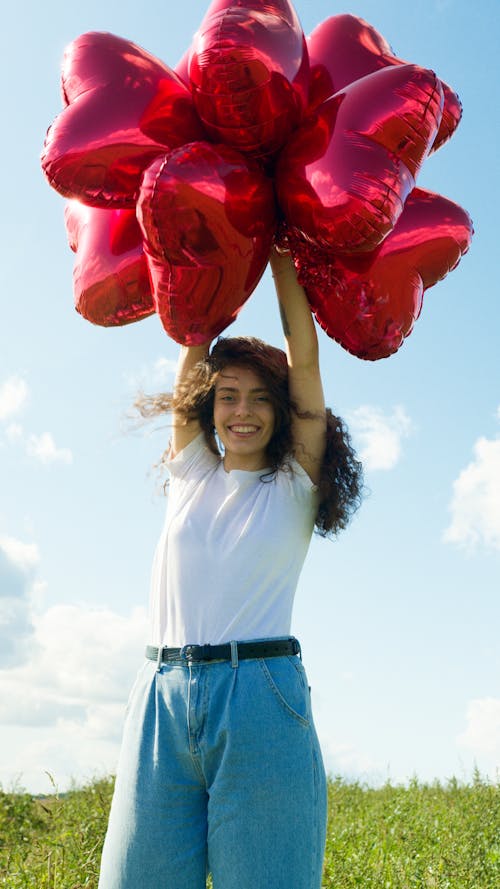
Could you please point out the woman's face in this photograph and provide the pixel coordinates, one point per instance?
(243, 418)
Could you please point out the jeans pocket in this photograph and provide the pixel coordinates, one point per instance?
(286, 678)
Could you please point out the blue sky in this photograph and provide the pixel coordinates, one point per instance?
(399, 617)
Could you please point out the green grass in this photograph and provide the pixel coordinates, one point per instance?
(432, 836)
(423, 836)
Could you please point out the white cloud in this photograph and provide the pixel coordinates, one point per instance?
(475, 505)
(377, 436)
(343, 759)
(85, 657)
(13, 394)
(482, 733)
(160, 374)
(24, 555)
(14, 432)
(62, 711)
(43, 448)
(17, 561)
(164, 369)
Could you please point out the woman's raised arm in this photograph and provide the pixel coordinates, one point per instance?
(305, 386)
(183, 431)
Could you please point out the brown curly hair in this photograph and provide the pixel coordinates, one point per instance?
(340, 485)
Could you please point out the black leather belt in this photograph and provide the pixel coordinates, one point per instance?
(226, 652)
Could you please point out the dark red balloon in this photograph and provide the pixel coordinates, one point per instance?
(344, 48)
(110, 277)
(370, 303)
(345, 174)
(123, 108)
(249, 73)
(208, 218)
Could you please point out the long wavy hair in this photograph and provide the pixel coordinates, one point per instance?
(341, 478)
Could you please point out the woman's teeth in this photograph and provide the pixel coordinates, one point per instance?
(243, 430)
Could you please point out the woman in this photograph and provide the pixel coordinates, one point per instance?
(220, 769)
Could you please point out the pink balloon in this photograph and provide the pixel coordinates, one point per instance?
(249, 73)
(208, 219)
(345, 174)
(110, 277)
(344, 48)
(123, 108)
(370, 303)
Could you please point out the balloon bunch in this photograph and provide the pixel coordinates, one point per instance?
(180, 179)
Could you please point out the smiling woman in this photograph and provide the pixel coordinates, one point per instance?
(193, 403)
(221, 768)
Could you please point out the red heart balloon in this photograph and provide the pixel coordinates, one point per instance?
(282, 8)
(208, 218)
(110, 277)
(344, 48)
(123, 108)
(370, 303)
(249, 73)
(345, 174)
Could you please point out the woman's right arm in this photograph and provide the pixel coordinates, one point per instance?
(183, 432)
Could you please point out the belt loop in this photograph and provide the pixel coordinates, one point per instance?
(234, 653)
(159, 659)
(299, 650)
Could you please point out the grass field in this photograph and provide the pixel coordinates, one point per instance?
(430, 836)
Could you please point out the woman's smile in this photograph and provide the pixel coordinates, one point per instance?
(243, 430)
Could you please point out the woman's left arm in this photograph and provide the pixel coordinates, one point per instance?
(306, 389)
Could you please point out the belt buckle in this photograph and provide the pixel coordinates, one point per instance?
(196, 652)
(187, 653)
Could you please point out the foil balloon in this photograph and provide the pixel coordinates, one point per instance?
(110, 279)
(344, 175)
(344, 48)
(182, 67)
(370, 303)
(344, 143)
(208, 217)
(123, 108)
(249, 74)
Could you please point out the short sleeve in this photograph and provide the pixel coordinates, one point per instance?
(302, 477)
(196, 458)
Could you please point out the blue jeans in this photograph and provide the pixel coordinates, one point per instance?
(220, 771)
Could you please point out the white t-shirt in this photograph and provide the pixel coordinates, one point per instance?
(230, 554)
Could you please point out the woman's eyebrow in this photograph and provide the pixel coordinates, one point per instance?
(235, 389)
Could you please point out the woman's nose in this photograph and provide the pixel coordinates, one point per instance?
(242, 408)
